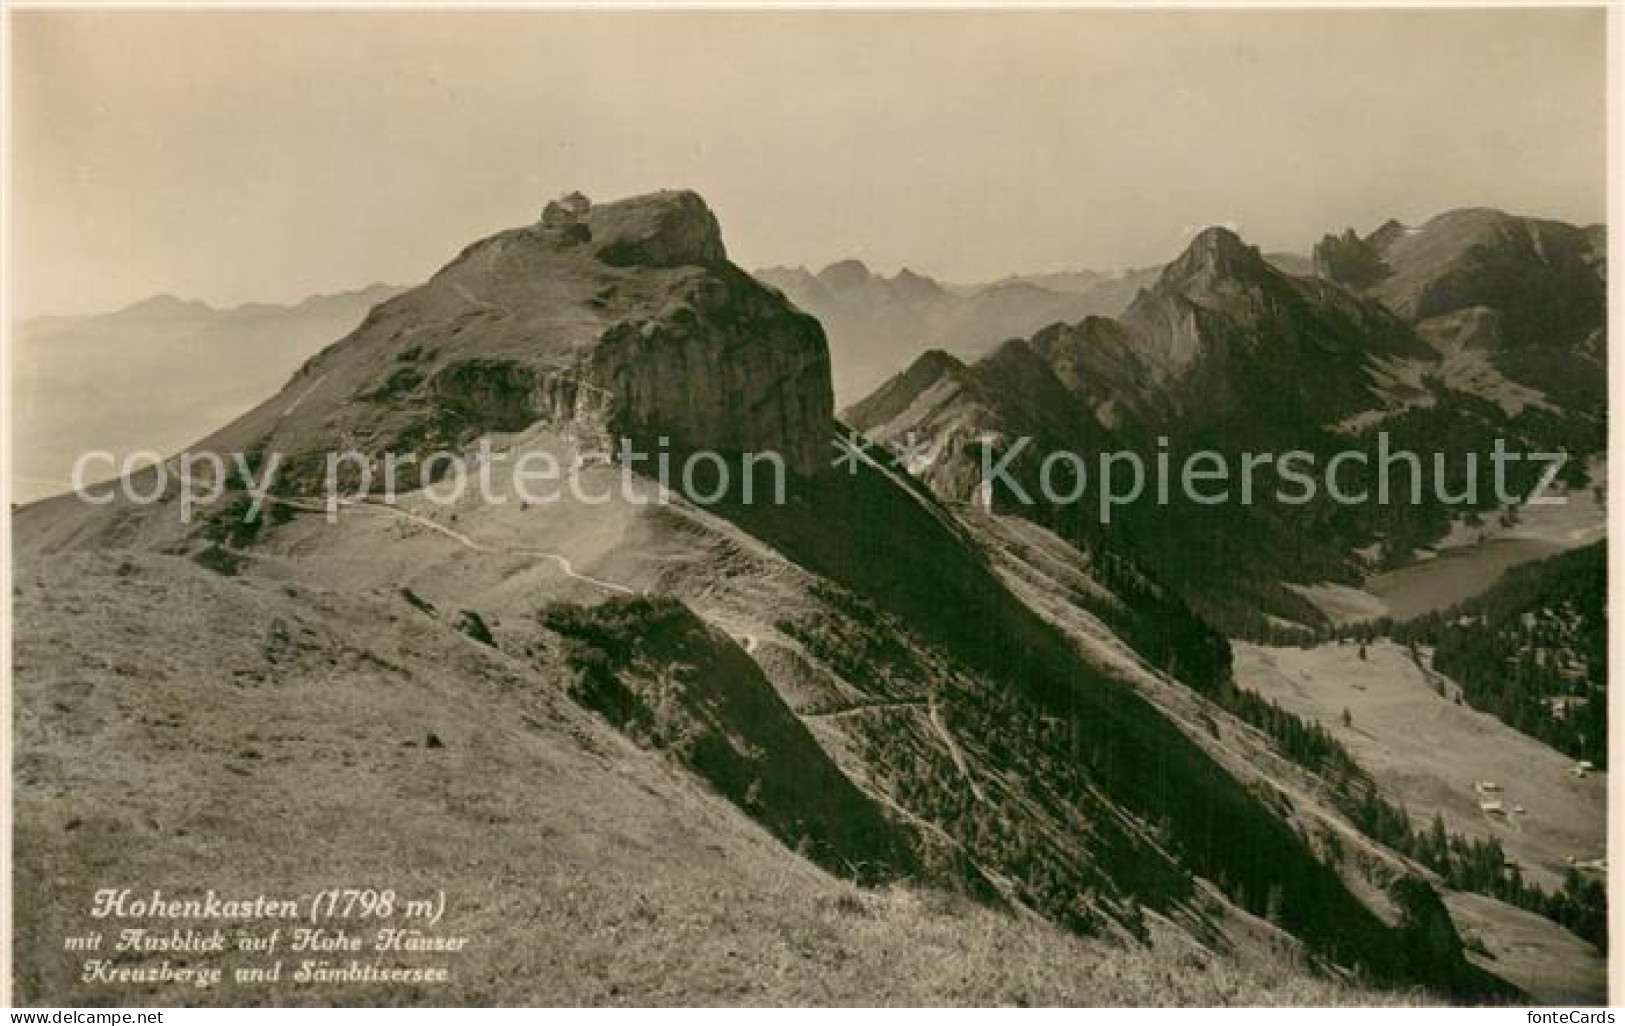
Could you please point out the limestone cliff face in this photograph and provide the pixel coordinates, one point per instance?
(611, 320)
(732, 368)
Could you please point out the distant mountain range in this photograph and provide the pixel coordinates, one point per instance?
(877, 325)
(155, 375)
(192, 370)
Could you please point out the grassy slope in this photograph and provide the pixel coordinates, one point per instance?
(263, 735)
(1426, 752)
(750, 590)
(863, 533)
(1553, 965)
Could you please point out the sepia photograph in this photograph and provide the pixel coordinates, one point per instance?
(992, 507)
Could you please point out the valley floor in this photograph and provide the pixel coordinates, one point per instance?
(1432, 755)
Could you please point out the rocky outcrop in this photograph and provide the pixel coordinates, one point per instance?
(667, 229)
(1349, 260)
(604, 320)
(1543, 281)
(1216, 256)
(1223, 336)
(731, 367)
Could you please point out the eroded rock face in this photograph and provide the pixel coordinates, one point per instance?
(610, 320)
(666, 229)
(1534, 291)
(751, 374)
(1350, 260)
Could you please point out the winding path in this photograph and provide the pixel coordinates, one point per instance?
(562, 561)
(954, 752)
(858, 707)
(302, 396)
(938, 725)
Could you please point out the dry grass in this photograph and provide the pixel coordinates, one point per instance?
(257, 736)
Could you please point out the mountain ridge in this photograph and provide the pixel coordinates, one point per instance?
(1001, 712)
(1026, 772)
(1224, 349)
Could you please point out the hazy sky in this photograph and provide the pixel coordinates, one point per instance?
(269, 155)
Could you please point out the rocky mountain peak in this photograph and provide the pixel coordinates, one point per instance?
(845, 274)
(1350, 260)
(1215, 253)
(662, 229)
(1012, 351)
(938, 361)
(602, 320)
(912, 286)
(1386, 235)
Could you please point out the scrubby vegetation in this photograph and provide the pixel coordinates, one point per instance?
(474, 625)
(1481, 867)
(1305, 742)
(652, 668)
(1533, 650)
(1156, 622)
(1349, 260)
(1465, 864)
(1084, 781)
(238, 521)
(1229, 562)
